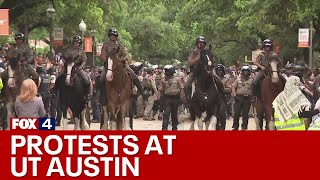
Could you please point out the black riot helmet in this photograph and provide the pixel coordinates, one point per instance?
(267, 42)
(113, 32)
(201, 39)
(19, 35)
(246, 70)
(221, 68)
(77, 39)
(169, 70)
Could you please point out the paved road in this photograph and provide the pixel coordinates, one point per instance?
(185, 123)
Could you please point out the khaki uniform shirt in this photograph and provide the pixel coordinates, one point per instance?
(23, 50)
(243, 87)
(171, 87)
(263, 57)
(108, 46)
(76, 55)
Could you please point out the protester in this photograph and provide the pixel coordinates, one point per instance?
(27, 103)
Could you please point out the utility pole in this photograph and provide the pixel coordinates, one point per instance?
(310, 45)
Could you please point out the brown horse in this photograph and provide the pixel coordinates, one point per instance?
(270, 86)
(118, 93)
(13, 78)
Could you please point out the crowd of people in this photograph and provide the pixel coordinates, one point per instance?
(159, 92)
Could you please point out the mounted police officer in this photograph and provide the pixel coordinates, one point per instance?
(171, 88)
(43, 89)
(113, 43)
(242, 93)
(194, 58)
(262, 61)
(23, 51)
(76, 53)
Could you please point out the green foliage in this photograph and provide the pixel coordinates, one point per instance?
(160, 31)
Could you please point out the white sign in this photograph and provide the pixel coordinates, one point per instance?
(99, 48)
(303, 39)
(58, 34)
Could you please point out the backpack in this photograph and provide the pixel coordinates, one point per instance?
(146, 83)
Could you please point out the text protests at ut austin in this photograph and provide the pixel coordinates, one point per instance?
(193, 155)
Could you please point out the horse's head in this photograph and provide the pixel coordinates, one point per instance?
(206, 61)
(69, 63)
(274, 67)
(116, 61)
(14, 70)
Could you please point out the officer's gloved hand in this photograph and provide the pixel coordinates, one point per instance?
(303, 113)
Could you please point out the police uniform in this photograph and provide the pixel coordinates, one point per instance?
(159, 103)
(227, 92)
(263, 59)
(44, 90)
(242, 99)
(105, 54)
(150, 90)
(24, 52)
(194, 54)
(78, 56)
(171, 88)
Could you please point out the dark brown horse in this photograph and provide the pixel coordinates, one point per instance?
(118, 87)
(12, 79)
(270, 86)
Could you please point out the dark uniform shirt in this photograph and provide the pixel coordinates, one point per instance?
(75, 55)
(44, 85)
(22, 50)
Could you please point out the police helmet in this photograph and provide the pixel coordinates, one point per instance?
(267, 42)
(201, 39)
(289, 66)
(169, 69)
(77, 39)
(221, 67)
(155, 67)
(246, 70)
(19, 36)
(112, 32)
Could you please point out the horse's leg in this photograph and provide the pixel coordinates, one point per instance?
(83, 120)
(105, 125)
(64, 120)
(121, 120)
(193, 119)
(10, 113)
(259, 115)
(270, 119)
(77, 122)
(113, 124)
(201, 120)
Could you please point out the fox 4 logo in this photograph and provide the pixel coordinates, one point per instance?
(33, 124)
